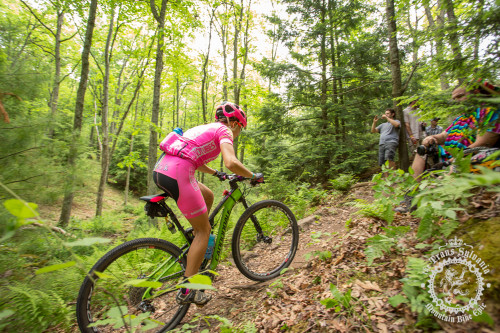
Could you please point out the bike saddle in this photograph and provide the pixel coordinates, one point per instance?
(155, 197)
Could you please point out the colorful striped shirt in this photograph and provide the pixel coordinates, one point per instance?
(464, 129)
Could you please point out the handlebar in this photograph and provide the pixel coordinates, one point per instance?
(233, 178)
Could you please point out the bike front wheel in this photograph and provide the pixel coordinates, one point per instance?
(132, 287)
(265, 240)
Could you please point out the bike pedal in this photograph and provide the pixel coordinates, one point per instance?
(199, 305)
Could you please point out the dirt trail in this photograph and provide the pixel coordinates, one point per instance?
(241, 300)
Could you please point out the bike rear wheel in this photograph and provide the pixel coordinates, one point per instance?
(107, 298)
(265, 240)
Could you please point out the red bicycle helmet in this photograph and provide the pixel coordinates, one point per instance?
(232, 112)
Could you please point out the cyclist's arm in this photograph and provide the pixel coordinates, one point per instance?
(206, 169)
(232, 163)
(488, 139)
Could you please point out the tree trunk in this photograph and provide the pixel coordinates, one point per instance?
(436, 26)
(77, 123)
(129, 167)
(104, 119)
(153, 135)
(224, 36)
(325, 163)
(404, 161)
(54, 96)
(453, 36)
(204, 78)
(177, 101)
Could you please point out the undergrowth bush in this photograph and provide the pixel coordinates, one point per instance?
(439, 201)
(343, 182)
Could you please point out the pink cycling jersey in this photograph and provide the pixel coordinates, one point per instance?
(200, 144)
(184, 154)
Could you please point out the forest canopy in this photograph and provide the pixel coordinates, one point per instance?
(107, 80)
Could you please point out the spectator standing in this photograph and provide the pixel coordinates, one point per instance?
(413, 127)
(434, 129)
(389, 137)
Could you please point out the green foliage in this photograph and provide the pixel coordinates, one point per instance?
(381, 208)
(377, 246)
(36, 310)
(123, 158)
(199, 281)
(299, 197)
(119, 317)
(343, 182)
(392, 183)
(322, 255)
(21, 210)
(224, 325)
(339, 300)
(417, 297)
(439, 200)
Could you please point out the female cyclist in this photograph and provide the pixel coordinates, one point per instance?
(175, 174)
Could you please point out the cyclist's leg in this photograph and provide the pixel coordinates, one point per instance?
(208, 196)
(196, 253)
(192, 204)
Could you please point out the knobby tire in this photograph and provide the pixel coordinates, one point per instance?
(131, 260)
(264, 259)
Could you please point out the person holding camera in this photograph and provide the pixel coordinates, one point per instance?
(389, 137)
(478, 128)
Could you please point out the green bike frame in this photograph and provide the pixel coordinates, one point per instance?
(227, 204)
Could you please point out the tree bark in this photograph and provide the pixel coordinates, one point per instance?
(104, 119)
(77, 123)
(153, 135)
(54, 96)
(131, 149)
(404, 161)
(453, 36)
(204, 78)
(325, 163)
(436, 26)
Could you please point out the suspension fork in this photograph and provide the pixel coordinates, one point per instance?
(258, 228)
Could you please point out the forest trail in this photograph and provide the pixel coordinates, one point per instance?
(241, 300)
(292, 302)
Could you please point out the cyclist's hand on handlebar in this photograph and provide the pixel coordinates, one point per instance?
(259, 178)
(219, 174)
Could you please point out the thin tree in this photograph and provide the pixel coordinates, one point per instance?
(153, 134)
(204, 78)
(77, 123)
(60, 9)
(397, 88)
(104, 117)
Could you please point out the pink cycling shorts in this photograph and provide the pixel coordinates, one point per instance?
(175, 176)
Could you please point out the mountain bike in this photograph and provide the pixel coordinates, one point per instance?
(135, 284)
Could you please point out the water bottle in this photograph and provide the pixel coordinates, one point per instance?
(179, 131)
(170, 225)
(210, 248)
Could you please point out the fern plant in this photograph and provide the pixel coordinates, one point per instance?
(381, 208)
(37, 310)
